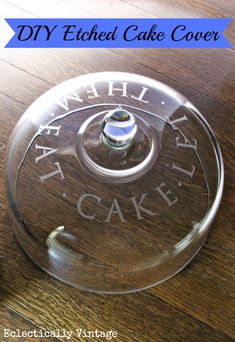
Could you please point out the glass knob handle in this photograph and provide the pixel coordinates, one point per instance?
(118, 128)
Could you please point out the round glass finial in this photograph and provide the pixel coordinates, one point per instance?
(118, 128)
(113, 180)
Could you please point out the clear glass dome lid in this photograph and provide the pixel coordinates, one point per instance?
(113, 180)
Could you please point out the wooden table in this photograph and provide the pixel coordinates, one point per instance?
(197, 304)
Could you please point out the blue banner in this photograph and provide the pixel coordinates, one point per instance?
(118, 33)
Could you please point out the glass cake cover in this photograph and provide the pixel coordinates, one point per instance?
(113, 180)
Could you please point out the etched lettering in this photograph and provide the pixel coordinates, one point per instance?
(46, 152)
(92, 91)
(123, 89)
(58, 171)
(115, 209)
(79, 205)
(186, 143)
(188, 173)
(56, 129)
(173, 122)
(72, 96)
(140, 97)
(165, 194)
(139, 207)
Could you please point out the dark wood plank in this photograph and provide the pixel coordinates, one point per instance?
(44, 9)
(172, 67)
(20, 85)
(47, 65)
(185, 9)
(204, 71)
(82, 9)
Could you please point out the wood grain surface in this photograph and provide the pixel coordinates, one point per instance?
(199, 303)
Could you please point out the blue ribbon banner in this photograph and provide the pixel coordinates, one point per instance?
(118, 33)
